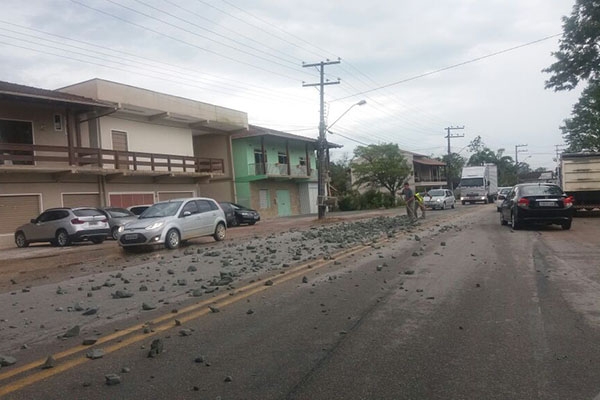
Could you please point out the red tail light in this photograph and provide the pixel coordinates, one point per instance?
(104, 220)
(523, 202)
(568, 202)
(77, 221)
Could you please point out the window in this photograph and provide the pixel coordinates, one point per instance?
(204, 206)
(191, 206)
(263, 196)
(19, 133)
(302, 161)
(58, 122)
(282, 158)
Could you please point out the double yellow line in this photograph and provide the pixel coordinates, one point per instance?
(160, 324)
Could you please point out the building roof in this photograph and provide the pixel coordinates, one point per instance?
(428, 161)
(254, 130)
(14, 90)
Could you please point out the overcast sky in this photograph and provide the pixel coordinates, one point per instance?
(247, 55)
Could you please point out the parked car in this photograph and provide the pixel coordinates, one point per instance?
(116, 217)
(439, 199)
(170, 222)
(541, 203)
(236, 214)
(502, 192)
(61, 226)
(139, 209)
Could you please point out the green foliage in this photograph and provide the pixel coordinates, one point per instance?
(578, 59)
(507, 171)
(339, 173)
(454, 164)
(370, 199)
(380, 166)
(582, 131)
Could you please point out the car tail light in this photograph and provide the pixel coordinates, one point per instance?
(568, 202)
(77, 221)
(523, 202)
(104, 220)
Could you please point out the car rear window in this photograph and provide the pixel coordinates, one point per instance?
(87, 212)
(541, 190)
(438, 192)
(119, 212)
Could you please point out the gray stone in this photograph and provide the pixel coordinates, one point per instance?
(148, 306)
(125, 370)
(6, 361)
(122, 294)
(156, 347)
(214, 309)
(112, 379)
(192, 268)
(409, 272)
(197, 292)
(143, 288)
(89, 341)
(304, 279)
(182, 282)
(185, 332)
(269, 283)
(95, 354)
(74, 331)
(50, 363)
(90, 311)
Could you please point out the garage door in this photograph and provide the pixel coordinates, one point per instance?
(81, 200)
(17, 210)
(130, 199)
(162, 196)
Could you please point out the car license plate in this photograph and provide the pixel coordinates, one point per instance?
(131, 237)
(547, 204)
(93, 223)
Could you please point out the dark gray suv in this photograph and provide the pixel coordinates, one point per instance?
(61, 226)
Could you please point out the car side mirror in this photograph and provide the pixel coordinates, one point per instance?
(33, 220)
(186, 213)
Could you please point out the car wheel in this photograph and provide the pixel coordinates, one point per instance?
(114, 232)
(514, 222)
(220, 232)
(97, 240)
(172, 240)
(463, 202)
(251, 222)
(21, 240)
(61, 239)
(234, 222)
(452, 206)
(443, 206)
(502, 220)
(566, 225)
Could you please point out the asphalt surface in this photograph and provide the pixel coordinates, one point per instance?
(457, 307)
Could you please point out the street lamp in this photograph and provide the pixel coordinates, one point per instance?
(324, 161)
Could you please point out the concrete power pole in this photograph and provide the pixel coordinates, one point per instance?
(517, 151)
(322, 142)
(450, 136)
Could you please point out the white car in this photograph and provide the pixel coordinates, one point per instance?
(501, 196)
(439, 199)
(170, 222)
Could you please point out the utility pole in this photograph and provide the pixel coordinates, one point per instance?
(517, 151)
(322, 142)
(450, 136)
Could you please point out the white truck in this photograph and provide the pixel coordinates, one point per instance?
(479, 184)
(580, 178)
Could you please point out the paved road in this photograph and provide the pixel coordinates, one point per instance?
(466, 309)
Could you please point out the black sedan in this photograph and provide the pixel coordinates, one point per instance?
(539, 203)
(236, 214)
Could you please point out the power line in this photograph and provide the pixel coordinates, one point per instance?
(451, 66)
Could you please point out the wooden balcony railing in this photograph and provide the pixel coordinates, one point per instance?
(43, 155)
(297, 171)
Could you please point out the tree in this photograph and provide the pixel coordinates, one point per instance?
(582, 131)
(454, 165)
(578, 60)
(380, 165)
(507, 171)
(579, 52)
(339, 173)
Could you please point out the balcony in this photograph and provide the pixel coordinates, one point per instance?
(280, 171)
(40, 157)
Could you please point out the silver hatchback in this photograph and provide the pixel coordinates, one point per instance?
(170, 222)
(61, 226)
